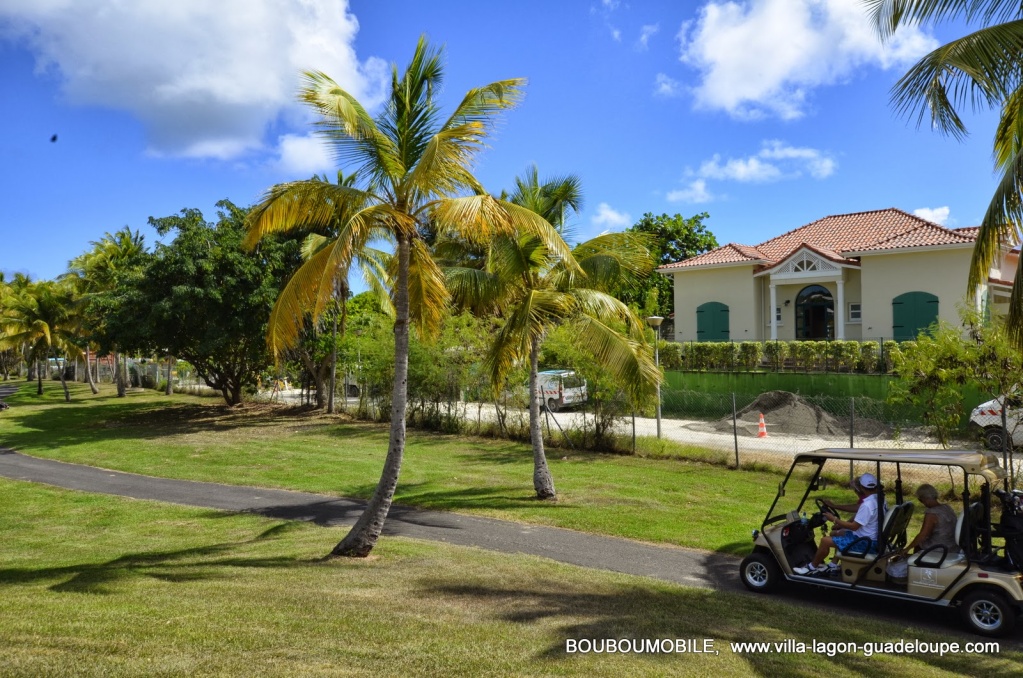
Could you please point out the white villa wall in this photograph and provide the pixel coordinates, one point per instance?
(730, 285)
(942, 273)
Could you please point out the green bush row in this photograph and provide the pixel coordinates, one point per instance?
(832, 356)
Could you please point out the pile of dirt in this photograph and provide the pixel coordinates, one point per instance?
(785, 413)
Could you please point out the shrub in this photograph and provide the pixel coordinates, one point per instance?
(670, 354)
(750, 354)
(869, 356)
(776, 351)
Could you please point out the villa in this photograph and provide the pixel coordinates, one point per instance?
(879, 275)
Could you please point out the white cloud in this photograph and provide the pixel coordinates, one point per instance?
(648, 31)
(206, 79)
(751, 169)
(695, 192)
(303, 156)
(762, 58)
(606, 216)
(665, 86)
(938, 215)
(776, 161)
(616, 34)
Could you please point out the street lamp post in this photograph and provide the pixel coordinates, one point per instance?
(655, 321)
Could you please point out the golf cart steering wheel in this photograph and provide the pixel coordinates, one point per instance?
(824, 508)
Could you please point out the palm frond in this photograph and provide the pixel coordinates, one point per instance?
(304, 205)
(352, 134)
(479, 291)
(888, 15)
(973, 69)
(628, 360)
(428, 295)
(536, 311)
(309, 290)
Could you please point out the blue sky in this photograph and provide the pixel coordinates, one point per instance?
(767, 114)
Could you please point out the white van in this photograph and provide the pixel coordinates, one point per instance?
(986, 418)
(560, 388)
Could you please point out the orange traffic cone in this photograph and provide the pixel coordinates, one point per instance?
(762, 427)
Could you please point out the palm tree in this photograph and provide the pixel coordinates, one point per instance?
(536, 289)
(980, 69)
(412, 168)
(43, 318)
(99, 273)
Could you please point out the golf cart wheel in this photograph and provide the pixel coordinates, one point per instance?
(988, 613)
(993, 438)
(552, 405)
(759, 572)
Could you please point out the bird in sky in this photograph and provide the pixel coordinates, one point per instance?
(53, 139)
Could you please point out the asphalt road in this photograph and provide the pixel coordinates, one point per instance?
(683, 566)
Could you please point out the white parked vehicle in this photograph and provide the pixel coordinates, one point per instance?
(560, 388)
(986, 418)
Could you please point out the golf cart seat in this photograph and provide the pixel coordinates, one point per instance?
(860, 555)
(895, 523)
(938, 556)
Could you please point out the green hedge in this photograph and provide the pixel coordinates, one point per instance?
(868, 357)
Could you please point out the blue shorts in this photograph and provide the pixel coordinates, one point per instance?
(843, 540)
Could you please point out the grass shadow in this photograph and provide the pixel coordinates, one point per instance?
(198, 563)
(692, 614)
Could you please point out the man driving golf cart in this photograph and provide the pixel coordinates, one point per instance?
(982, 578)
(862, 527)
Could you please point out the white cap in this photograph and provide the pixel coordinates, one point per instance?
(868, 481)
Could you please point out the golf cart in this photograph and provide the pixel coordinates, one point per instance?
(984, 581)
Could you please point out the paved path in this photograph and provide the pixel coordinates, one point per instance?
(684, 566)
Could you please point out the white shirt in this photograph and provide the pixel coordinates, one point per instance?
(866, 517)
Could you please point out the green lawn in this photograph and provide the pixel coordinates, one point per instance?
(670, 501)
(103, 586)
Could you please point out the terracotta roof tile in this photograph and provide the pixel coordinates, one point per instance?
(732, 253)
(836, 235)
(927, 235)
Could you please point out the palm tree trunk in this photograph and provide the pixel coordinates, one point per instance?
(63, 381)
(119, 375)
(39, 374)
(170, 383)
(364, 534)
(543, 483)
(88, 373)
(333, 365)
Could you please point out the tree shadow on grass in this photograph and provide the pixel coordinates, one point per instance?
(481, 497)
(656, 613)
(198, 563)
(58, 426)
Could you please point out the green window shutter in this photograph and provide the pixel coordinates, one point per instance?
(913, 313)
(712, 322)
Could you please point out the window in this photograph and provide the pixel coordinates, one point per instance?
(855, 313)
(805, 265)
(777, 315)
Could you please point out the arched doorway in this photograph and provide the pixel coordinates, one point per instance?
(815, 313)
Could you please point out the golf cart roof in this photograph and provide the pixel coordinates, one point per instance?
(557, 373)
(971, 461)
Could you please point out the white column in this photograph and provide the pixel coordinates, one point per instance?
(840, 311)
(774, 315)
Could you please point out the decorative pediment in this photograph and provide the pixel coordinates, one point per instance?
(808, 262)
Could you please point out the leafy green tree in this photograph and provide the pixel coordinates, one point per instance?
(411, 171)
(981, 69)
(535, 289)
(671, 239)
(205, 299)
